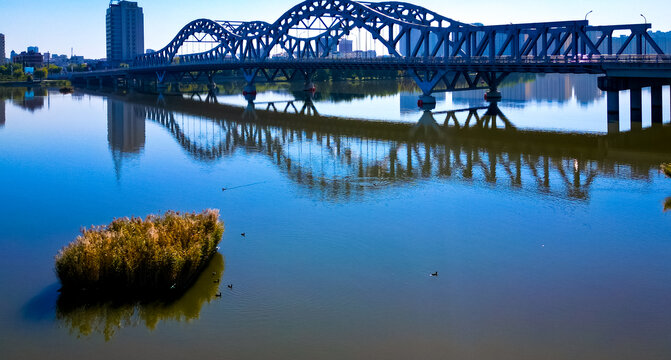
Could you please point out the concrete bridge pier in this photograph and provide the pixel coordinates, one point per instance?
(493, 96)
(249, 92)
(426, 102)
(161, 86)
(636, 105)
(211, 85)
(132, 84)
(613, 103)
(309, 86)
(656, 104)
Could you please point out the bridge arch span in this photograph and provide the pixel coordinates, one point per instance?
(205, 26)
(388, 22)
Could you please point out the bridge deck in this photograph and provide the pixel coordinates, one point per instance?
(658, 66)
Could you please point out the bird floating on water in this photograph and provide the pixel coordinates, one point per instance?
(230, 286)
(243, 234)
(217, 294)
(435, 274)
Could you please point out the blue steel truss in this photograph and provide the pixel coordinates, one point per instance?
(420, 32)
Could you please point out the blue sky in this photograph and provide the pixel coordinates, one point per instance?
(57, 26)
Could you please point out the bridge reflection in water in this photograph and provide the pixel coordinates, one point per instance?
(337, 159)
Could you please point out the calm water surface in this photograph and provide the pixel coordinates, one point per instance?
(549, 234)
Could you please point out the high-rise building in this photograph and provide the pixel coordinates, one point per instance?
(125, 31)
(345, 46)
(2, 49)
(30, 58)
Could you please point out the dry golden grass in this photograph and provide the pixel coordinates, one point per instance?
(158, 253)
(666, 169)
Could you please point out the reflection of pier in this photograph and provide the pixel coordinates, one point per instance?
(340, 158)
(2, 113)
(307, 107)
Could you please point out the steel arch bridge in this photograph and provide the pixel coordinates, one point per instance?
(440, 53)
(421, 32)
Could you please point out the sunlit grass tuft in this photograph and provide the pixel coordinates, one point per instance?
(666, 169)
(158, 253)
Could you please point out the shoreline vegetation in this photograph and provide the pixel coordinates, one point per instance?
(135, 257)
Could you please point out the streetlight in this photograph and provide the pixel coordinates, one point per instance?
(589, 12)
(645, 46)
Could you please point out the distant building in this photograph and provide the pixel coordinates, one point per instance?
(364, 54)
(415, 36)
(2, 49)
(125, 31)
(345, 46)
(30, 58)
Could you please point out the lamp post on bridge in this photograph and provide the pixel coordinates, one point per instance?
(645, 47)
(589, 12)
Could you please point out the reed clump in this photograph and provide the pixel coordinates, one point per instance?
(159, 253)
(666, 169)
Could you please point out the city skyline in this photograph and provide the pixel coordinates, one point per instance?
(60, 33)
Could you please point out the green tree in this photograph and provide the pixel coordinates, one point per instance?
(40, 73)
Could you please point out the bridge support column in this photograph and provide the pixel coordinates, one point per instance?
(493, 95)
(100, 83)
(160, 83)
(426, 102)
(211, 85)
(613, 100)
(309, 86)
(88, 83)
(656, 104)
(249, 92)
(161, 87)
(636, 100)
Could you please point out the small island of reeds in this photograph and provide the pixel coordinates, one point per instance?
(133, 256)
(666, 169)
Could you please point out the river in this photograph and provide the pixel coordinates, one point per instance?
(547, 227)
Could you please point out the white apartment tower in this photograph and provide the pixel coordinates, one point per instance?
(125, 31)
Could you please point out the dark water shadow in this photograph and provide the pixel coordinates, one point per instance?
(85, 317)
(43, 305)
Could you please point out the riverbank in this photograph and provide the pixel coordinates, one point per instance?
(41, 83)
